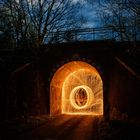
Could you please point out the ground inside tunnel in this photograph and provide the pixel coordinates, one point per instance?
(71, 127)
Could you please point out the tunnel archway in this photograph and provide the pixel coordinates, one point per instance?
(76, 88)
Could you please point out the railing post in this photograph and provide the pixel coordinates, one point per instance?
(112, 33)
(75, 35)
(93, 35)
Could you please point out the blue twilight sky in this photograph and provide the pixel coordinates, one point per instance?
(89, 11)
(92, 18)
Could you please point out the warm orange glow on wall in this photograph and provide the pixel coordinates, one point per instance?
(76, 88)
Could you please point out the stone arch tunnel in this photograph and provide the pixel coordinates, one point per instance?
(31, 87)
(76, 88)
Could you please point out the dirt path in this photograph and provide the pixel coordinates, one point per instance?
(74, 127)
(64, 128)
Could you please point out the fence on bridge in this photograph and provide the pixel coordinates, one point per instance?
(90, 34)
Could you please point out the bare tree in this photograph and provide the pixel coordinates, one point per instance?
(121, 16)
(134, 5)
(14, 19)
(34, 20)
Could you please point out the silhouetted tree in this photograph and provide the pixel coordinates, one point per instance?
(122, 16)
(32, 21)
(134, 5)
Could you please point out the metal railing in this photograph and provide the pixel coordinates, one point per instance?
(91, 34)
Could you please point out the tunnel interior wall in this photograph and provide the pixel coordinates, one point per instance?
(76, 74)
(124, 93)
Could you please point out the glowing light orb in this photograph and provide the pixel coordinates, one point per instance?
(81, 97)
